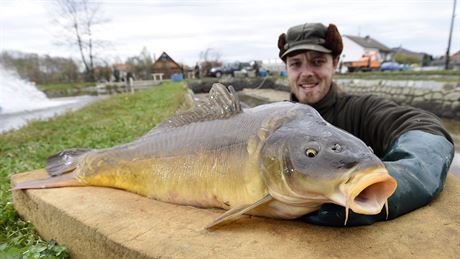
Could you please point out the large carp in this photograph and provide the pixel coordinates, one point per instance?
(280, 160)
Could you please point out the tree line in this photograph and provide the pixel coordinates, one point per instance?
(45, 69)
(41, 69)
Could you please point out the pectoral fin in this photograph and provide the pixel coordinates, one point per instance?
(233, 213)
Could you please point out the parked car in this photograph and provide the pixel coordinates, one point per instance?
(391, 66)
(229, 69)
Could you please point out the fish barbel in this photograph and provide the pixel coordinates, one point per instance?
(280, 160)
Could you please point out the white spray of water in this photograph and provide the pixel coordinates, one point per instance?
(17, 95)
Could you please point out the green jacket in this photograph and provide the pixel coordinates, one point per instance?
(414, 146)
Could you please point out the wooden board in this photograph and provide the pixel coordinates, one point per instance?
(98, 222)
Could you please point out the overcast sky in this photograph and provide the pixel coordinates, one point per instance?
(238, 30)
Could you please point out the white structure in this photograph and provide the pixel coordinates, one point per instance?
(157, 76)
(355, 47)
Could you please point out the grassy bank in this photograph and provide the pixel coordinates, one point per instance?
(106, 123)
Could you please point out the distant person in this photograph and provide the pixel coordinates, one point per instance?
(116, 74)
(197, 71)
(255, 66)
(129, 82)
(414, 146)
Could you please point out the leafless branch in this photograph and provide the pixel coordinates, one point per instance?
(77, 19)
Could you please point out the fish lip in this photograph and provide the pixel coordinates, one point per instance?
(375, 180)
(368, 191)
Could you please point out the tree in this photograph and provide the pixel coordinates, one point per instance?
(103, 72)
(141, 65)
(208, 59)
(407, 59)
(78, 18)
(41, 69)
(146, 63)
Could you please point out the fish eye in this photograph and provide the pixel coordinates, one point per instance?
(310, 152)
(337, 148)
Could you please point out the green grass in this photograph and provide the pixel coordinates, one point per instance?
(63, 86)
(105, 123)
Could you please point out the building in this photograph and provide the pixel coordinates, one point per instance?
(166, 65)
(454, 61)
(355, 47)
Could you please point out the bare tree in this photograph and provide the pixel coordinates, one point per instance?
(78, 18)
(209, 58)
(141, 65)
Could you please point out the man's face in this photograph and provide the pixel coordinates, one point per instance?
(310, 75)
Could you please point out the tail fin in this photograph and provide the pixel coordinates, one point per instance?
(51, 182)
(65, 161)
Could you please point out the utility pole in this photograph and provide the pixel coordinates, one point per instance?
(446, 66)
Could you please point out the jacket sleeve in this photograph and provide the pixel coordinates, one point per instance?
(419, 161)
(379, 122)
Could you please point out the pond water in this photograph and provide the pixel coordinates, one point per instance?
(18, 95)
(21, 101)
(18, 119)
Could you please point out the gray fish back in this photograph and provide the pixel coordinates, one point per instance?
(216, 124)
(204, 136)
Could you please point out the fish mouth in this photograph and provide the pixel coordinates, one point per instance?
(366, 191)
(371, 192)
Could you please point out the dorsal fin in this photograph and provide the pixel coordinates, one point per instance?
(222, 103)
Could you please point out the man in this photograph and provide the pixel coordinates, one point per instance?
(412, 143)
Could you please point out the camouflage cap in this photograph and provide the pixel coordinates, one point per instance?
(310, 36)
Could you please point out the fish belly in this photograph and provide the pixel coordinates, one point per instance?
(223, 178)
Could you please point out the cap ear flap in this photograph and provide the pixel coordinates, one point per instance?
(281, 43)
(334, 40)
